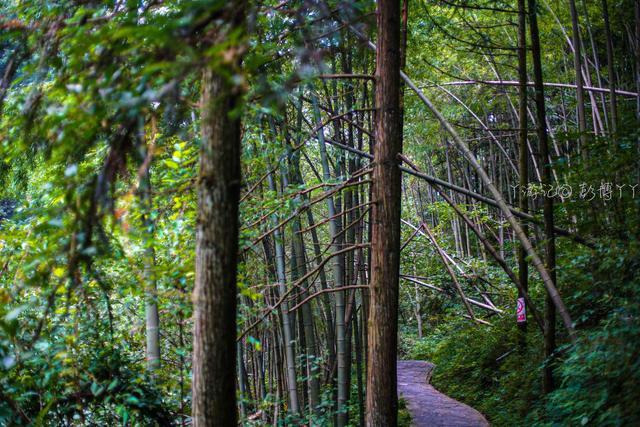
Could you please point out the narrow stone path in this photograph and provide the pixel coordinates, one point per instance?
(429, 407)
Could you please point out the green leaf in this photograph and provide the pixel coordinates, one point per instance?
(96, 389)
(113, 385)
(171, 164)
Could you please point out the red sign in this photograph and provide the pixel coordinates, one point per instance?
(521, 312)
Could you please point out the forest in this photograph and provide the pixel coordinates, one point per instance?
(320, 213)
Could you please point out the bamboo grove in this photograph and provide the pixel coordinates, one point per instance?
(223, 213)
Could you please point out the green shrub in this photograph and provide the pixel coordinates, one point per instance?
(404, 416)
(599, 378)
(483, 367)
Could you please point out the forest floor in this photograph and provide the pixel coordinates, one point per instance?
(429, 407)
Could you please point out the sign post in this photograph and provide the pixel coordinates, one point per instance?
(521, 311)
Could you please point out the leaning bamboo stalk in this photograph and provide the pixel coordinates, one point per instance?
(418, 230)
(509, 216)
(489, 247)
(484, 322)
(414, 234)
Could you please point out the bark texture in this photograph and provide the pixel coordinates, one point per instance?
(382, 401)
(214, 296)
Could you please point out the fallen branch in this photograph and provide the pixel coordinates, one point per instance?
(449, 270)
(442, 291)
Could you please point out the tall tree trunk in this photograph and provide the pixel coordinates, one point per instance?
(382, 399)
(523, 203)
(213, 390)
(550, 253)
(214, 295)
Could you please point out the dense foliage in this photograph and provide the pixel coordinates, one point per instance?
(100, 135)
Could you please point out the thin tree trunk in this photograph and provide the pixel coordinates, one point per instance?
(613, 104)
(597, 121)
(338, 277)
(454, 222)
(152, 327)
(277, 366)
(301, 263)
(357, 337)
(287, 327)
(307, 319)
(550, 257)
(382, 399)
(577, 63)
(241, 384)
(416, 307)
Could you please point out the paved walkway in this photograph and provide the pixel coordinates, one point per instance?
(429, 407)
